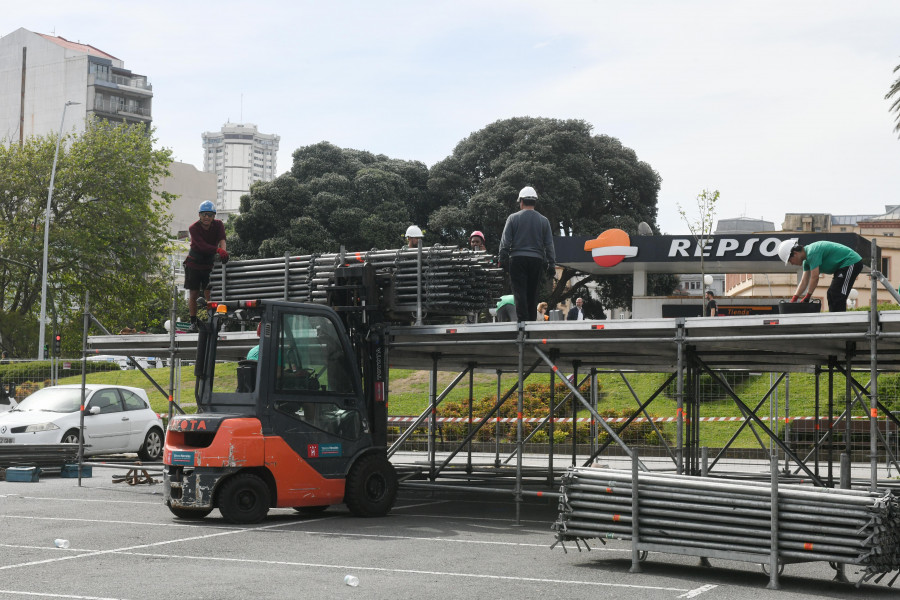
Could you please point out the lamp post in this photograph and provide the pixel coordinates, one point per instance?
(43, 319)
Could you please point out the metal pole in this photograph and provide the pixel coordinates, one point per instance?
(575, 365)
(419, 282)
(873, 385)
(497, 424)
(432, 421)
(552, 430)
(520, 404)
(679, 397)
(471, 400)
(773, 548)
(635, 515)
(787, 422)
(43, 319)
(84, 338)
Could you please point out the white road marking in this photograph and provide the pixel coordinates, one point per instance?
(42, 595)
(409, 571)
(697, 591)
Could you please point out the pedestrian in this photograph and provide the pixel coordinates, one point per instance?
(4, 358)
(506, 308)
(542, 312)
(207, 241)
(825, 257)
(576, 313)
(476, 241)
(413, 236)
(711, 308)
(526, 250)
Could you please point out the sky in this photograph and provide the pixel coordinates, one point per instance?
(778, 105)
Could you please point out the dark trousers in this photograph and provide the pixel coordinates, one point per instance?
(525, 276)
(841, 284)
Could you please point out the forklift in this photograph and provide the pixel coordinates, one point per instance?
(306, 425)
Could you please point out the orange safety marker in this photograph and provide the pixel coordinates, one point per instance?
(874, 413)
(807, 546)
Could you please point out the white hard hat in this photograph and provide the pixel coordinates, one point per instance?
(784, 249)
(413, 231)
(527, 192)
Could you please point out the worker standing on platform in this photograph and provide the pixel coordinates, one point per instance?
(526, 249)
(413, 236)
(207, 241)
(476, 242)
(826, 257)
(711, 307)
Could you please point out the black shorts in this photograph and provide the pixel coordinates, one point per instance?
(196, 279)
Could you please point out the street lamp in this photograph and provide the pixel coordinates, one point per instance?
(42, 324)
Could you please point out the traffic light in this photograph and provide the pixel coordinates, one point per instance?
(46, 350)
(57, 345)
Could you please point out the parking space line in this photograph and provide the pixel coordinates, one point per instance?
(411, 571)
(130, 548)
(697, 591)
(44, 595)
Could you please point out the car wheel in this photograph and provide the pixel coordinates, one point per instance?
(70, 437)
(152, 447)
(191, 514)
(244, 499)
(371, 486)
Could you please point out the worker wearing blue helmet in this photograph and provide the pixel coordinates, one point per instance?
(207, 242)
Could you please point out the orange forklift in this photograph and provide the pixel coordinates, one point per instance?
(305, 427)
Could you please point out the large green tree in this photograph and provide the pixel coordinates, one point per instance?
(108, 231)
(331, 197)
(586, 184)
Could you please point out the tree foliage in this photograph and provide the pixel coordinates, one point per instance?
(108, 232)
(332, 197)
(894, 93)
(586, 184)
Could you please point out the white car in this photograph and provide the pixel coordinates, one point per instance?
(117, 418)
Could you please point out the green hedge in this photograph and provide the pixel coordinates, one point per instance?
(39, 370)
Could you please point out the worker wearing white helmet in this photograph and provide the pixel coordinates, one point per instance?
(825, 257)
(526, 250)
(413, 236)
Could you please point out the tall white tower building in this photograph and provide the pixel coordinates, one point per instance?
(239, 156)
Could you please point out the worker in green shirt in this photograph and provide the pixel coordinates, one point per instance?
(825, 257)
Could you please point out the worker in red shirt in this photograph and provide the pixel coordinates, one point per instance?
(207, 242)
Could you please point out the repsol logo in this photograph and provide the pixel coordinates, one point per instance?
(723, 247)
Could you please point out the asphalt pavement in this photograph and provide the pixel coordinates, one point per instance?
(124, 544)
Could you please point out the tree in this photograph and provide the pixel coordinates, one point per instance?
(701, 228)
(332, 197)
(895, 106)
(108, 232)
(586, 183)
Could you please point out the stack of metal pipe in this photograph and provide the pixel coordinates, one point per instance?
(732, 519)
(451, 280)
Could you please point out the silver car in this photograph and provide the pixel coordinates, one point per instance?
(117, 419)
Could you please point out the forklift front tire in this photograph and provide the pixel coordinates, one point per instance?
(371, 486)
(191, 514)
(244, 499)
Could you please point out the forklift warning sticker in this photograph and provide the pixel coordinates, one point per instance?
(180, 457)
(323, 450)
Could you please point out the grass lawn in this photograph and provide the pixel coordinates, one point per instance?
(409, 394)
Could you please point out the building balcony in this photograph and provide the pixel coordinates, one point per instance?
(131, 112)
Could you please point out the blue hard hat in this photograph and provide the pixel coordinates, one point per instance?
(207, 206)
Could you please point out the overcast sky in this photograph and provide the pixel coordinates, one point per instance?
(777, 104)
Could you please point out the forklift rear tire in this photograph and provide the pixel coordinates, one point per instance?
(244, 499)
(371, 486)
(191, 514)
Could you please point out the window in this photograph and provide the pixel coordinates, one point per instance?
(132, 400)
(886, 267)
(311, 357)
(107, 401)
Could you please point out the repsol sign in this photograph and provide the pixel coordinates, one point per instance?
(721, 247)
(726, 248)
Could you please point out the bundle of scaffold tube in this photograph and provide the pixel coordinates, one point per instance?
(733, 518)
(452, 280)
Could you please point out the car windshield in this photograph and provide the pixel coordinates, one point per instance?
(61, 400)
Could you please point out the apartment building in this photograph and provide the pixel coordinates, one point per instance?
(240, 156)
(40, 73)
